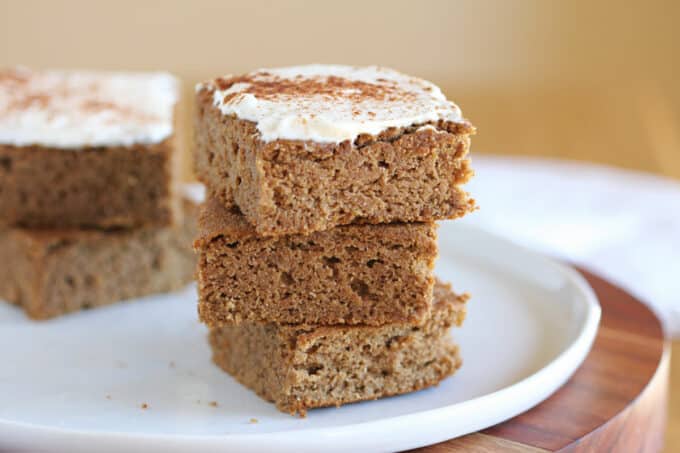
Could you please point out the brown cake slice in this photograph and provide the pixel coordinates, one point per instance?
(87, 149)
(53, 272)
(352, 274)
(308, 148)
(300, 368)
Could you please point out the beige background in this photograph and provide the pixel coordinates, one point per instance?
(587, 80)
(595, 80)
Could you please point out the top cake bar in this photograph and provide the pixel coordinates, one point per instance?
(87, 149)
(308, 148)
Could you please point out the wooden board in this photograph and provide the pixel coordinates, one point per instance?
(616, 401)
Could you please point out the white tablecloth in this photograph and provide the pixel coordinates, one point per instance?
(620, 224)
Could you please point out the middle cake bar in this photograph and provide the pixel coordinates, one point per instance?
(353, 274)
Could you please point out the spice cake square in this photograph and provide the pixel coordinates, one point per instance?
(300, 368)
(351, 274)
(58, 271)
(307, 148)
(87, 149)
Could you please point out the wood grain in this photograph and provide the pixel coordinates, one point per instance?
(673, 429)
(616, 401)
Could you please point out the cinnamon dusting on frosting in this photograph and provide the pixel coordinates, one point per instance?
(330, 103)
(75, 109)
(266, 86)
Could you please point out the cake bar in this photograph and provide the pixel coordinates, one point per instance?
(308, 148)
(87, 149)
(54, 272)
(300, 368)
(352, 274)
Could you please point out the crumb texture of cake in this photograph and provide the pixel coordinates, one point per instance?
(93, 188)
(400, 151)
(353, 274)
(300, 368)
(90, 150)
(55, 272)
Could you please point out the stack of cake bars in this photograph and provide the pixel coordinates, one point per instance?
(317, 240)
(89, 213)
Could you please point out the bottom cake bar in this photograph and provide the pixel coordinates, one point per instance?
(300, 368)
(53, 272)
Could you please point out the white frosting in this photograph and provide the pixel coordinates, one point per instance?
(308, 103)
(77, 109)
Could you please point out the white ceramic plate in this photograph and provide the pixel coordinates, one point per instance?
(78, 383)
